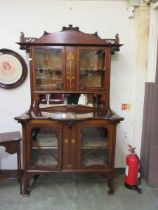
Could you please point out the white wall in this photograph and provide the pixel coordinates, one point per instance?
(105, 17)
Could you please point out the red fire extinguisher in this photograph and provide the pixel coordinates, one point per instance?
(132, 171)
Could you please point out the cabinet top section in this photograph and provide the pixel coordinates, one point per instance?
(69, 36)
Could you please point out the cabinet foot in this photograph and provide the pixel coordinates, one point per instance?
(110, 182)
(26, 181)
(26, 194)
(110, 192)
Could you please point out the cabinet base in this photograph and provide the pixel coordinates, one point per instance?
(30, 179)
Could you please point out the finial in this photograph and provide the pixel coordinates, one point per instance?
(117, 40)
(22, 36)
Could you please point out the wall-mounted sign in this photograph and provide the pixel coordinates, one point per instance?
(13, 69)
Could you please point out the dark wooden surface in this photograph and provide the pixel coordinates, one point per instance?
(10, 136)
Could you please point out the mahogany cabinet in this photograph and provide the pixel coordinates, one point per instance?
(69, 126)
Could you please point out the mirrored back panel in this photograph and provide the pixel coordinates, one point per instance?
(53, 99)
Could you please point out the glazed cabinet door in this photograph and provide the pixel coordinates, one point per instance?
(91, 68)
(44, 145)
(48, 66)
(95, 145)
(85, 68)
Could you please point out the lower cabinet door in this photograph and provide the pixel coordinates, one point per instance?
(45, 146)
(94, 145)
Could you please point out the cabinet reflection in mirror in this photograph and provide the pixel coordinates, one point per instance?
(92, 100)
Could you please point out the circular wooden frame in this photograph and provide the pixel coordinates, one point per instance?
(13, 69)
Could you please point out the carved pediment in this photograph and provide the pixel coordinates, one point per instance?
(69, 36)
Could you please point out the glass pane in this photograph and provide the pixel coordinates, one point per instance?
(48, 64)
(44, 146)
(92, 68)
(94, 146)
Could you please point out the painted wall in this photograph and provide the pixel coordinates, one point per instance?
(107, 18)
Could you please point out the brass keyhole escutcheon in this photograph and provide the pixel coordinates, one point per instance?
(69, 165)
(73, 141)
(66, 141)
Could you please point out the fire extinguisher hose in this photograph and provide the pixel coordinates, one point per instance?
(138, 186)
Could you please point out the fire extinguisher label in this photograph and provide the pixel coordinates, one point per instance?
(126, 170)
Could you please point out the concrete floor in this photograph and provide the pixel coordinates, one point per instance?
(76, 192)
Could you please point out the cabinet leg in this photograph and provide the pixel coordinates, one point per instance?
(26, 185)
(110, 183)
(19, 171)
